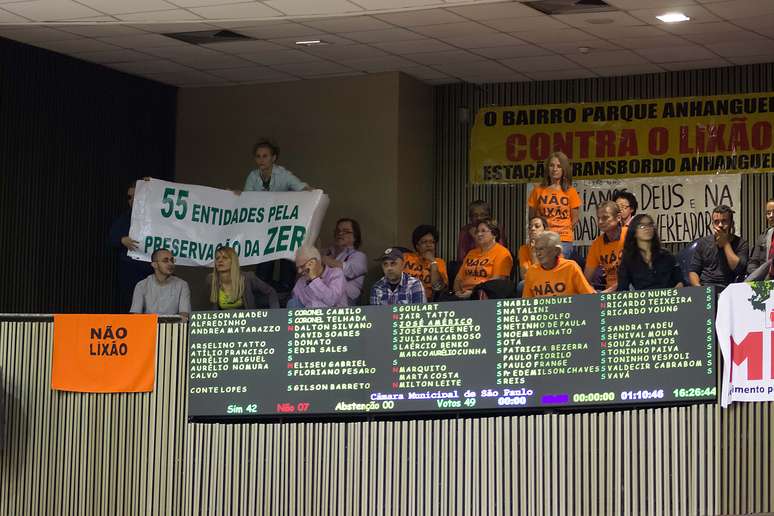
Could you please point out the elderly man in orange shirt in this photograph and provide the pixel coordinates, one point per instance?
(553, 275)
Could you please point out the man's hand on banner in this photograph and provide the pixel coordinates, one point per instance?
(130, 244)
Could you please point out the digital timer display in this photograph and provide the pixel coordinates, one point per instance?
(624, 348)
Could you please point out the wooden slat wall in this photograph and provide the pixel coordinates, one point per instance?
(509, 201)
(88, 454)
(72, 136)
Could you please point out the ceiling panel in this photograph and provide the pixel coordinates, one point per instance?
(540, 63)
(511, 51)
(50, 10)
(435, 40)
(134, 6)
(383, 36)
(121, 55)
(496, 11)
(307, 7)
(420, 18)
(676, 54)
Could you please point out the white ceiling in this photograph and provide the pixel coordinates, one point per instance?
(435, 41)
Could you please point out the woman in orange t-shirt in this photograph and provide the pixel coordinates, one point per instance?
(488, 261)
(557, 200)
(527, 258)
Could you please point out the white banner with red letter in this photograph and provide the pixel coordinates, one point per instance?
(744, 326)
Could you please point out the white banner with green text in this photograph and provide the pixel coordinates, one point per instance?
(194, 221)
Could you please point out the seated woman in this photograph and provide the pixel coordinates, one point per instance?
(423, 264)
(644, 263)
(232, 289)
(344, 255)
(527, 258)
(466, 240)
(486, 262)
(553, 275)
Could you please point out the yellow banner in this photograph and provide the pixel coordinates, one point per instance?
(633, 138)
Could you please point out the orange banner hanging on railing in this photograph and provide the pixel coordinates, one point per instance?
(104, 352)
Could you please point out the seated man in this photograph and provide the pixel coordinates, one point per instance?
(161, 292)
(760, 253)
(605, 251)
(424, 265)
(553, 275)
(396, 287)
(627, 203)
(317, 286)
(720, 256)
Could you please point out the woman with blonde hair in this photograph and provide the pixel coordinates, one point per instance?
(232, 289)
(557, 200)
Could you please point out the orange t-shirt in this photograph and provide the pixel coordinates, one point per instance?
(416, 266)
(525, 257)
(480, 267)
(606, 254)
(566, 279)
(555, 205)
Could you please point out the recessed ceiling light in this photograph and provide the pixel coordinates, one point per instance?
(673, 17)
(311, 42)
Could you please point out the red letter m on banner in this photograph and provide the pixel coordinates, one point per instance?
(750, 349)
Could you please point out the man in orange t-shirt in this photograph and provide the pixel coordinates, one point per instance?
(424, 265)
(605, 252)
(553, 275)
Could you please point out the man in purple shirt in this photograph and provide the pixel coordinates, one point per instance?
(317, 286)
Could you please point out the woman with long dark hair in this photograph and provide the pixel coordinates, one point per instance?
(644, 263)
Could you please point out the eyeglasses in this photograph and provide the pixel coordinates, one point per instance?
(645, 226)
(344, 232)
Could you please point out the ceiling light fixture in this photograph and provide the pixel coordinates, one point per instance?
(311, 42)
(673, 17)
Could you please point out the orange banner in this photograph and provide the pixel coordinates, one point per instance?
(104, 352)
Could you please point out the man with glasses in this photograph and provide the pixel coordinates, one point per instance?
(424, 265)
(627, 203)
(317, 286)
(605, 251)
(162, 293)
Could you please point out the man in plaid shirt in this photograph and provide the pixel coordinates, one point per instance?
(396, 287)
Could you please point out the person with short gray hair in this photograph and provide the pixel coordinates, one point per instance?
(317, 286)
(553, 275)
